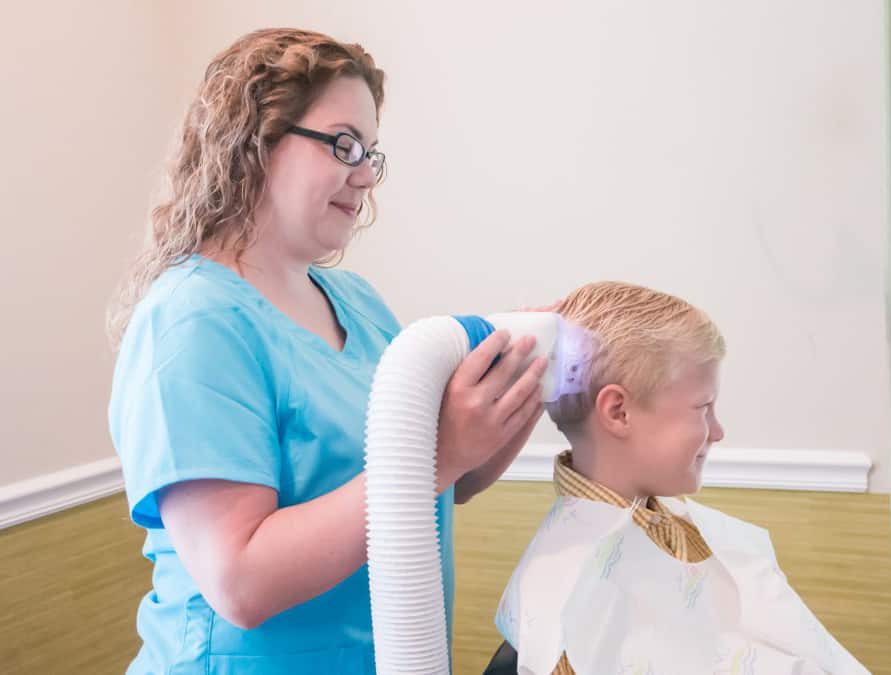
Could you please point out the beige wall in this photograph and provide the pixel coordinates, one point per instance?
(86, 110)
(734, 153)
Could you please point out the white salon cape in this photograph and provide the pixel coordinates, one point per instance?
(593, 584)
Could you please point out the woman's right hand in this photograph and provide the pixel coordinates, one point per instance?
(482, 411)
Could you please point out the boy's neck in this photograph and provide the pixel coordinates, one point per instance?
(604, 466)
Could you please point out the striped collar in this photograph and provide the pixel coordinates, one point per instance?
(674, 535)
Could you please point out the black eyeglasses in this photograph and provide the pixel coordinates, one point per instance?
(346, 149)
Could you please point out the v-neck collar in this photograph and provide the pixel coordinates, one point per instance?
(224, 273)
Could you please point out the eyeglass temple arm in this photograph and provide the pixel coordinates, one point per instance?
(309, 133)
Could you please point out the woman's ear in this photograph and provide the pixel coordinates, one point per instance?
(612, 410)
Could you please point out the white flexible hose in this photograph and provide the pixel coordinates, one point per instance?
(404, 568)
(405, 576)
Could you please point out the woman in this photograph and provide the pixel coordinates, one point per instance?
(239, 395)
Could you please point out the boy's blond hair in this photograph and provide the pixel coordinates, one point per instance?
(642, 336)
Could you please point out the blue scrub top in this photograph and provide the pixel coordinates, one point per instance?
(213, 381)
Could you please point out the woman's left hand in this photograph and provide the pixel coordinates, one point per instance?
(474, 482)
(485, 406)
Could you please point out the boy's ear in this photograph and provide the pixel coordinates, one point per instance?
(611, 408)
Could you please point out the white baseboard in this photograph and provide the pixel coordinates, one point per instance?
(822, 470)
(41, 496)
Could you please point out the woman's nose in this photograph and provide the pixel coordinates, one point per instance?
(363, 176)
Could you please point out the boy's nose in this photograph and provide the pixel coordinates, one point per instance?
(716, 434)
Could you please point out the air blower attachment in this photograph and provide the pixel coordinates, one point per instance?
(569, 348)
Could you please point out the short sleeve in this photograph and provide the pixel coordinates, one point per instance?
(202, 406)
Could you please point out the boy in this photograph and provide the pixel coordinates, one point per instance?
(617, 580)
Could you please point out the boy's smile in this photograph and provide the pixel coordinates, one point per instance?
(671, 434)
